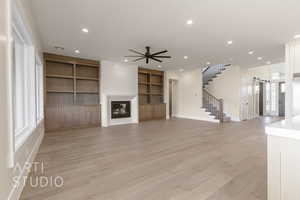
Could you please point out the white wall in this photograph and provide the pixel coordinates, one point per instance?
(227, 86)
(292, 98)
(118, 79)
(265, 72)
(189, 94)
(29, 149)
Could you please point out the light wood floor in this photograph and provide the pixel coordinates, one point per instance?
(159, 160)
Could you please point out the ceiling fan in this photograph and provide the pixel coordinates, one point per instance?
(147, 55)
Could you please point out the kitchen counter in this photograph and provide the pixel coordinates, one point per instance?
(289, 128)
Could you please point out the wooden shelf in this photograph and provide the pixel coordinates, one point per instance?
(157, 73)
(87, 65)
(144, 93)
(60, 61)
(144, 83)
(59, 76)
(87, 78)
(86, 92)
(157, 94)
(57, 91)
(144, 72)
(157, 84)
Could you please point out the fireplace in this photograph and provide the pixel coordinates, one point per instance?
(120, 109)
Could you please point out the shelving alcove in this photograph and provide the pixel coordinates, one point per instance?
(71, 92)
(151, 94)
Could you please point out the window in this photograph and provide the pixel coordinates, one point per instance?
(19, 83)
(23, 84)
(39, 90)
(276, 76)
(273, 97)
(268, 98)
(282, 87)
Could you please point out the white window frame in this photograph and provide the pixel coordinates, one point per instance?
(39, 90)
(18, 28)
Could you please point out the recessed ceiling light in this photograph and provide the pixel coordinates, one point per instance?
(259, 58)
(77, 51)
(251, 52)
(207, 63)
(85, 30)
(185, 57)
(297, 36)
(268, 62)
(181, 70)
(159, 66)
(229, 42)
(189, 22)
(125, 60)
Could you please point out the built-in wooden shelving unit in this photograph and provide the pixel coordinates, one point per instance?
(72, 92)
(151, 94)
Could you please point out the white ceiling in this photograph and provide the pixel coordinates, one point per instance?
(115, 26)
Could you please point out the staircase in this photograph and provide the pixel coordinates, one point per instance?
(212, 104)
(211, 72)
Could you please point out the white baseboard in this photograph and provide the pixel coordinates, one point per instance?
(198, 118)
(235, 119)
(16, 191)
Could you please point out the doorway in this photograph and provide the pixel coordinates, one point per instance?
(281, 99)
(172, 97)
(261, 98)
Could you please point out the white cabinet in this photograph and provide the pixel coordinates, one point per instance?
(283, 168)
(284, 160)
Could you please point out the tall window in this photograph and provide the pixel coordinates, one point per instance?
(39, 90)
(268, 98)
(23, 84)
(273, 97)
(19, 83)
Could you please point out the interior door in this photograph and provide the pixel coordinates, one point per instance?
(170, 97)
(261, 99)
(281, 99)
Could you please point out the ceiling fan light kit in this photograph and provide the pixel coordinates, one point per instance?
(148, 55)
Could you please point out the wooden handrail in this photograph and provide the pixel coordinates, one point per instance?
(211, 95)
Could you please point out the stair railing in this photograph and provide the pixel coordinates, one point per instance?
(213, 105)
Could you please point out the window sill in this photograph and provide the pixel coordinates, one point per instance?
(22, 137)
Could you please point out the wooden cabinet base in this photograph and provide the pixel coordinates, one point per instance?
(63, 117)
(152, 112)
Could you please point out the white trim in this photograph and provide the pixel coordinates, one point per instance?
(17, 190)
(198, 118)
(9, 93)
(18, 22)
(21, 138)
(18, 137)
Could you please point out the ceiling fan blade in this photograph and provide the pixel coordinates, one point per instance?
(165, 51)
(155, 59)
(134, 51)
(139, 59)
(162, 56)
(134, 56)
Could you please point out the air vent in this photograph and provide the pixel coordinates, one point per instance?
(59, 48)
